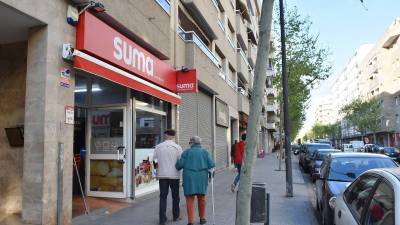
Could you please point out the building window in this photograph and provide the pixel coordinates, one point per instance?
(397, 100)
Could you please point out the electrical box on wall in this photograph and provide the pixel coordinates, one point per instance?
(15, 136)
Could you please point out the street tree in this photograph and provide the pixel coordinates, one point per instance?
(307, 64)
(244, 193)
(364, 116)
(330, 131)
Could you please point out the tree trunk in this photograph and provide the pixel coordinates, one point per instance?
(244, 195)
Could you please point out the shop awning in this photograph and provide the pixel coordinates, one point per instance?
(90, 64)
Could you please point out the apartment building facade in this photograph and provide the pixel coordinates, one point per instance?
(96, 94)
(373, 72)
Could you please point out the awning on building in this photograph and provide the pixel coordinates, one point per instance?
(90, 64)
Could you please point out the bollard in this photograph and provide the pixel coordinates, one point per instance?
(259, 202)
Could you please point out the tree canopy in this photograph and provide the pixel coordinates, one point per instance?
(364, 116)
(307, 64)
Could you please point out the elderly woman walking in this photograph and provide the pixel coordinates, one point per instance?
(196, 163)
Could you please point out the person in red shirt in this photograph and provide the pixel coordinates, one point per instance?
(238, 157)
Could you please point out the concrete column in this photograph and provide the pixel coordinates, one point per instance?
(45, 128)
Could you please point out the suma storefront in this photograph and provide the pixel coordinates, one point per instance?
(125, 98)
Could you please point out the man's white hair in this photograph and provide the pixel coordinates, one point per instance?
(195, 140)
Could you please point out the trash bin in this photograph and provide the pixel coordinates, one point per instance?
(258, 213)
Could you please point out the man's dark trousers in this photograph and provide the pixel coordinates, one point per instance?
(165, 184)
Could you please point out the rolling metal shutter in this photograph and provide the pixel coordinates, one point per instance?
(187, 119)
(221, 148)
(205, 130)
(195, 118)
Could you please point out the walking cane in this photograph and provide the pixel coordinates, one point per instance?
(212, 197)
(80, 185)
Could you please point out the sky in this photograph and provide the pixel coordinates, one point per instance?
(343, 25)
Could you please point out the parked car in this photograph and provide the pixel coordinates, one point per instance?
(348, 148)
(296, 149)
(306, 154)
(337, 171)
(392, 152)
(370, 199)
(372, 148)
(357, 145)
(323, 141)
(317, 160)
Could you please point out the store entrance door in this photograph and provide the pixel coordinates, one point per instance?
(106, 170)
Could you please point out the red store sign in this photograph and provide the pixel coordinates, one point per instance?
(141, 70)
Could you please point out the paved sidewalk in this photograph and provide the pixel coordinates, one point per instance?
(284, 211)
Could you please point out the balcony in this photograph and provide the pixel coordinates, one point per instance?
(243, 101)
(241, 31)
(270, 92)
(200, 57)
(242, 66)
(252, 53)
(191, 36)
(204, 13)
(271, 126)
(270, 72)
(271, 108)
(252, 29)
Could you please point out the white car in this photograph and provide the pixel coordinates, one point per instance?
(372, 199)
(348, 148)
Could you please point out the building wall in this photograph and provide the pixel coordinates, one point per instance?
(44, 114)
(12, 111)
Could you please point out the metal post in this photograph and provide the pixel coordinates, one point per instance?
(60, 183)
(289, 180)
(267, 208)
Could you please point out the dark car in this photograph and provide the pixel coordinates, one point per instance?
(307, 153)
(392, 152)
(372, 148)
(318, 158)
(337, 171)
(296, 149)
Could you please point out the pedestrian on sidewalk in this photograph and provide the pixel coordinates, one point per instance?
(233, 149)
(167, 154)
(196, 163)
(238, 160)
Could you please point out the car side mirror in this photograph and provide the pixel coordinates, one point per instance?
(332, 202)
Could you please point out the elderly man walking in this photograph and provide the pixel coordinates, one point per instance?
(196, 163)
(167, 154)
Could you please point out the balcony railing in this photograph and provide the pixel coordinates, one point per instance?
(230, 41)
(165, 4)
(191, 36)
(221, 25)
(243, 55)
(231, 83)
(215, 3)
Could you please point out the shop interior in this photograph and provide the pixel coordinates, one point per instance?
(116, 130)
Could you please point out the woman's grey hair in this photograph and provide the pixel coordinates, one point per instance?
(195, 140)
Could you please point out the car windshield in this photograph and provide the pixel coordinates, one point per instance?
(347, 169)
(391, 150)
(313, 148)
